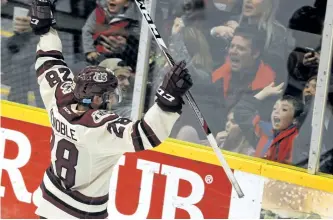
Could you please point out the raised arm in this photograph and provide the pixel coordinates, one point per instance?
(157, 123)
(51, 69)
(50, 65)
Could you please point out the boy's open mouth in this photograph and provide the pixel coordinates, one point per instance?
(276, 121)
(111, 5)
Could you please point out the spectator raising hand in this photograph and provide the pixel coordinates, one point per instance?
(269, 90)
(178, 24)
(225, 31)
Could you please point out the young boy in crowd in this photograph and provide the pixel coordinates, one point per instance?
(112, 29)
(274, 139)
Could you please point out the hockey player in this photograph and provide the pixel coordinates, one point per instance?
(87, 141)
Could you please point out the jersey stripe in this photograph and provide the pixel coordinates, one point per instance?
(136, 138)
(62, 200)
(63, 195)
(48, 65)
(51, 53)
(150, 134)
(47, 195)
(75, 194)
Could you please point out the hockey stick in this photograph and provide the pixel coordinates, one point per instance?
(188, 95)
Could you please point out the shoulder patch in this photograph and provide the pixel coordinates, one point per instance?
(64, 94)
(99, 115)
(66, 87)
(91, 118)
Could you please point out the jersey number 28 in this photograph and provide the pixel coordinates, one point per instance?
(53, 78)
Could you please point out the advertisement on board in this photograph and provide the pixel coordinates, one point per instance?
(152, 184)
(144, 185)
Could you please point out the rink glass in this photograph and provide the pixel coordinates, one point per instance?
(218, 57)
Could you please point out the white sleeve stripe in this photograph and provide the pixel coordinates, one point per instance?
(160, 122)
(149, 133)
(136, 137)
(145, 141)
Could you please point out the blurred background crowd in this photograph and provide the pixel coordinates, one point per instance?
(254, 65)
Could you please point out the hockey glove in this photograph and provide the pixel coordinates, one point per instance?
(42, 17)
(175, 84)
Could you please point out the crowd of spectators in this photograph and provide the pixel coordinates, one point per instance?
(254, 65)
(257, 88)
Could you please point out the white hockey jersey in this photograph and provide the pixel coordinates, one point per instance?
(85, 147)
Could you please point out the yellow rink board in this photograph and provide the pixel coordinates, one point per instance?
(197, 152)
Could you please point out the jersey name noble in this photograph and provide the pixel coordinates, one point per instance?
(62, 128)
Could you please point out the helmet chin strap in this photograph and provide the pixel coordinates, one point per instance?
(106, 103)
(103, 106)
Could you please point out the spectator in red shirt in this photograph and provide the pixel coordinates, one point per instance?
(112, 29)
(274, 138)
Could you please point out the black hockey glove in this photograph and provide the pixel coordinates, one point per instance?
(175, 84)
(42, 17)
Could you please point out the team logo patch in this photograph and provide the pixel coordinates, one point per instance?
(100, 77)
(66, 87)
(99, 115)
